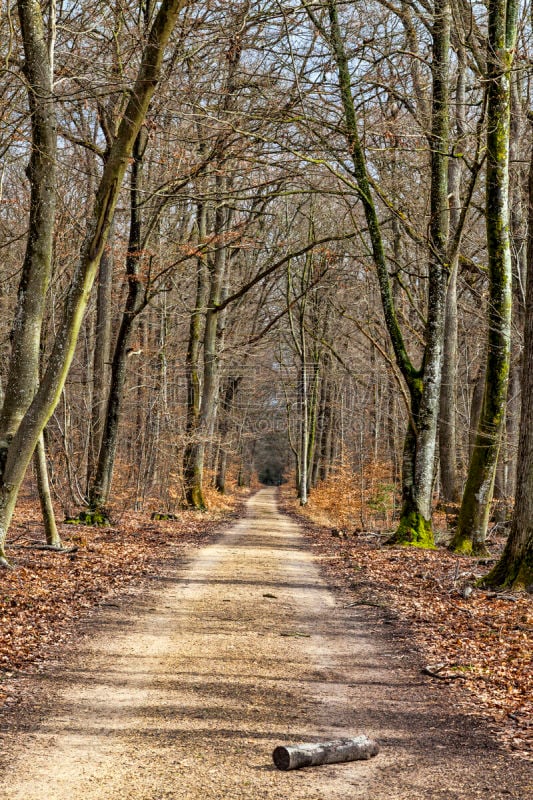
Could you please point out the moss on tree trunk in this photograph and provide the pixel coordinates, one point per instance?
(475, 507)
(512, 573)
(96, 517)
(413, 530)
(515, 568)
(423, 382)
(415, 527)
(194, 496)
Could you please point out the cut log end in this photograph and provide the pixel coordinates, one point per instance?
(334, 752)
(281, 757)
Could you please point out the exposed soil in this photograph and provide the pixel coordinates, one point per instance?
(183, 692)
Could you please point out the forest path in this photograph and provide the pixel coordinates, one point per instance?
(184, 692)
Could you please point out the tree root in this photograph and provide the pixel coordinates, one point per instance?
(436, 670)
(54, 548)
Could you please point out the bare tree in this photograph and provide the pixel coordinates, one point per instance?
(17, 451)
(475, 506)
(515, 567)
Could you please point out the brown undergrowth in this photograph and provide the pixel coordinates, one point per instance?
(479, 641)
(46, 593)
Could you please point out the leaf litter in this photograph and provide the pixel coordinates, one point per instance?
(47, 592)
(480, 642)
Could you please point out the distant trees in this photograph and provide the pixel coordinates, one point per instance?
(309, 225)
(27, 415)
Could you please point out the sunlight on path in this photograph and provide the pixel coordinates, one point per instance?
(189, 697)
(185, 693)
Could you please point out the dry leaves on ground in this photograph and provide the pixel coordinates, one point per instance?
(47, 592)
(479, 641)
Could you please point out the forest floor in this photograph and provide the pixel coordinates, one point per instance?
(180, 684)
(479, 642)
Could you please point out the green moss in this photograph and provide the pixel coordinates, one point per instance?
(161, 515)
(461, 545)
(418, 386)
(96, 517)
(413, 531)
(465, 545)
(517, 576)
(524, 579)
(197, 499)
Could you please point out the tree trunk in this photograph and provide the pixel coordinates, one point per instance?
(500, 509)
(50, 528)
(313, 416)
(228, 398)
(448, 397)
(304, 427)
(26, 332)
(321, 464)
(519, 256)
(448, 393)
(515, 567)
(423, 383)
(101, 485)
(476, 405)
(475, 506)
(512, 417)
(194, 471)
(100, 371)
(191, 480)
(23, 371)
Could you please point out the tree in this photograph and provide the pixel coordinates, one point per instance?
(308, 369)
(23, 376)
(423, 382)
(448, 397)
(515, 567)
(16, 451)
(475, 506)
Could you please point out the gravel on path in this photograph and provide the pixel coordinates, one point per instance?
(185, 691)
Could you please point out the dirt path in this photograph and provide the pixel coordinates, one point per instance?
(185, 692)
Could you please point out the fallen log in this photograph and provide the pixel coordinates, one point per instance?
(314, 754)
